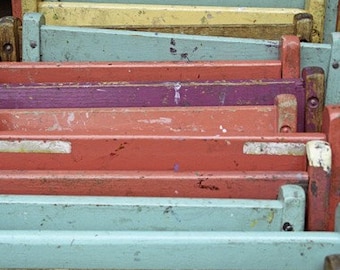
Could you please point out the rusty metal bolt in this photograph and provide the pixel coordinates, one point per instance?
(285, 129)
(287, 227)
(7, 48)
(313, 102)
(335, 65)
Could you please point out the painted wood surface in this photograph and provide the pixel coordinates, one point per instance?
(80, 72)
(169, 94)
(10, 42)
(332, 127)
(287, 67)
(222, 20)
(319, 155)
(67, 141)
(170, 47)
(148, 214)
(156, 249)
(190, 184)
(331, 7)
(156, 120)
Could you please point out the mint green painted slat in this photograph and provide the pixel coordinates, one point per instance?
(226, 3)
(166, 250)
(55, 43)
(333, 79)
(147, 214)
(330, 18)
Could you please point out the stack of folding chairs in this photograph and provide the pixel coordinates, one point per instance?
(158, 134)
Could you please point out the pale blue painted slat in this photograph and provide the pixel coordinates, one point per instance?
(166, 250)
(147, 214)
(333, 79)
(330, 18)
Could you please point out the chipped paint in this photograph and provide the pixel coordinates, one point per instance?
(160, 120)
(70, 118)
(224, 130)
(270, 216)
(319, 155)
(35, 146)
(177, 97)
(274, 148)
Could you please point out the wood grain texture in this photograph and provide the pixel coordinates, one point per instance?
(9, 39)
(249, 22)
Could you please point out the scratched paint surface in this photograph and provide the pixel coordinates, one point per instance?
(209, 121)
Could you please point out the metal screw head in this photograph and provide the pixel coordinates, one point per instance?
(313, 102)
(287, 227)
(285, 129)
(7, 48)
(335, 65)
(33, 44)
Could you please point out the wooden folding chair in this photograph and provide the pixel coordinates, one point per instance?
(251, 22)
(154, 152)
(56, 43)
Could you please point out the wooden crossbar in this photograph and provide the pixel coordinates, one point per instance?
(79, 213)
(157, 249)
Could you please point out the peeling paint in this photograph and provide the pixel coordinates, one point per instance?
(177, 97)
(35, 146)
(160, 120)
(70, 118)
(319, 155)
(274, 148)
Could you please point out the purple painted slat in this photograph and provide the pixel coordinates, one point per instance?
(152, 94)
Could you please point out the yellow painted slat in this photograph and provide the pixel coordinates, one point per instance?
(29, 6)
(317, 9)
(108, 15)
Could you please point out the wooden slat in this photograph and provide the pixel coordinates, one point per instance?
(329, 17)
(331, 126)
(219, 93)
(157, 250)
(193, 184)
(149, 214)
(153, 120)
(140, 17)
(158, 71)
(42, 72)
